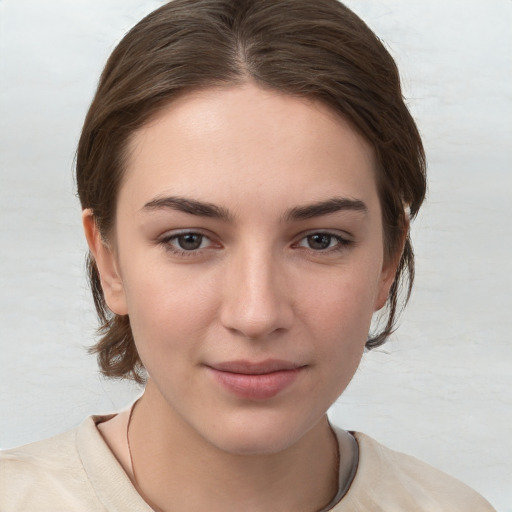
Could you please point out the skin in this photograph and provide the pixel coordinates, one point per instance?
(259, 287)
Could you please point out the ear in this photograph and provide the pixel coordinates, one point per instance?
(386, 280)
(389, 269)
(111, 281)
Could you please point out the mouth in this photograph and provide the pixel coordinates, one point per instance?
(256, 380)
(255, 368)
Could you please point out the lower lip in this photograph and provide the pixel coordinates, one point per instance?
(256, 387)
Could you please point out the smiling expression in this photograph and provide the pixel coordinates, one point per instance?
(248, 253)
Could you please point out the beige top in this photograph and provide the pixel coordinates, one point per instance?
(77, 472)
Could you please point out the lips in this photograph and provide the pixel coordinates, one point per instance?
(256, 380)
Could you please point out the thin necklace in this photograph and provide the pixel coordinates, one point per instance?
(128, 438)
(132, 467)
(157, 509)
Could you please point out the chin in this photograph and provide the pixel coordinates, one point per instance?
(245, 444)
(257, 436)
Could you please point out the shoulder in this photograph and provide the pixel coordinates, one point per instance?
(47, 475)
(387, 480)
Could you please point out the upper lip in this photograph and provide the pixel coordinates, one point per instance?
(255, 368)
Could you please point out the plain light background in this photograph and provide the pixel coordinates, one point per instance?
(440, 389)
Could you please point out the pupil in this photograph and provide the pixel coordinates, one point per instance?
(319, 241)
(190, 242)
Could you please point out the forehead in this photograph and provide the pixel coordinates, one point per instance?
(224, 142)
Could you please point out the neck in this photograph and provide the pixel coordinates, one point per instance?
(174, 468)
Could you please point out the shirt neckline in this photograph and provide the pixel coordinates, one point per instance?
(116, 491)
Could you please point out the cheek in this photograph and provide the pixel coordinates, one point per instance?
(168, 309)
(338, 310)
(342, 301)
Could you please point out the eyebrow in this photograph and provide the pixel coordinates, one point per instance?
(204, 209)
(333, 205)
(190, 206)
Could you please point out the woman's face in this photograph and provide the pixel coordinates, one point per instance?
(249, 257)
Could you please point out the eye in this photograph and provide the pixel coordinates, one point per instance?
(189, 241)
(186, 242)
(323, 242)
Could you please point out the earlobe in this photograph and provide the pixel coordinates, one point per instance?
(386, 281)
(111, 281)
(389, 270)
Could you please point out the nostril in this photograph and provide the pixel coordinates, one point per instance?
(256, 323)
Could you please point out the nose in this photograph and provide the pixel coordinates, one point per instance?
(257, 300)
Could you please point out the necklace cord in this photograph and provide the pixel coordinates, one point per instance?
(156, 509)
(132, 466)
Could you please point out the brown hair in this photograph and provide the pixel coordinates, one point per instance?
(319, 49)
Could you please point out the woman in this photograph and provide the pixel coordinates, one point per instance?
(247, 172)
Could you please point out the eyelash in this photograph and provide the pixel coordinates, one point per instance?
(342, 242)
(167, 241)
